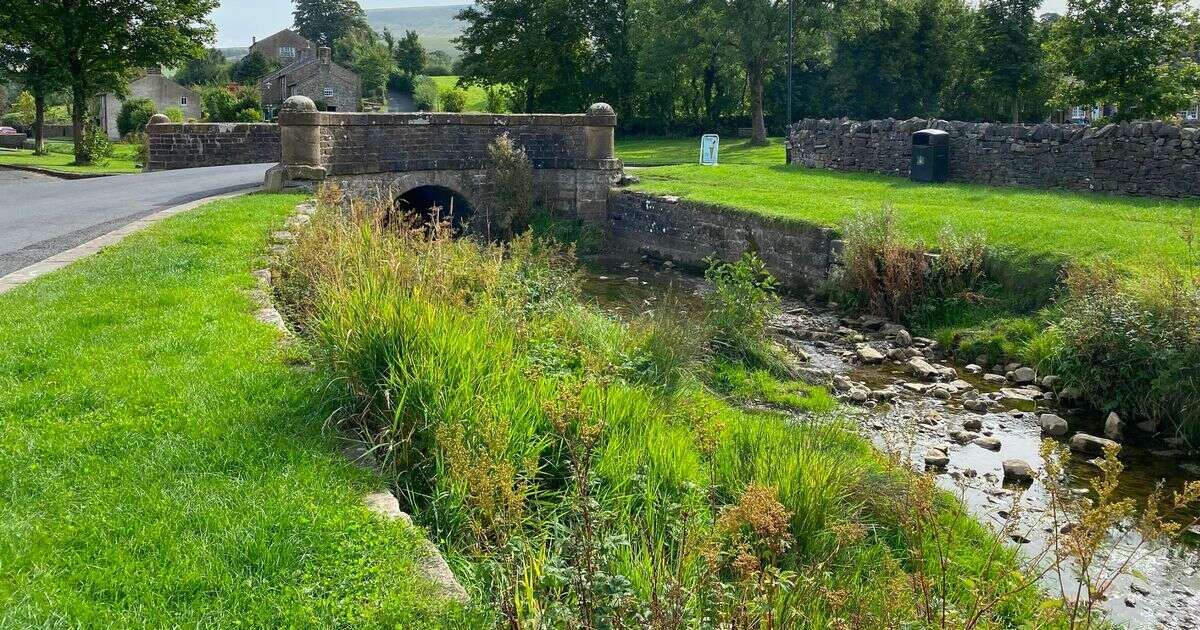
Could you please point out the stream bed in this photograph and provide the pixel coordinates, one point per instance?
(976, 421)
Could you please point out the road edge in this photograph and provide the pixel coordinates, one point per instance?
(59, 174)
(62, 259)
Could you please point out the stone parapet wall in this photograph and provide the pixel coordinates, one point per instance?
(1145, 159)
(800, 255)
(572, 154)
(354, 144)
(190, 145)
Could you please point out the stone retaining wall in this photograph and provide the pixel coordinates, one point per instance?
(189, 145)
(1147, 159)
(800, 255)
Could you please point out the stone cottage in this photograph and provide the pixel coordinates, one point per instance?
(285, 47)
(332, 87)
(152, 85)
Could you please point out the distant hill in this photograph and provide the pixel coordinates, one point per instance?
(235, 53)
(436, 25)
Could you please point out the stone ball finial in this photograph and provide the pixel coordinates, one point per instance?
(159, 119)
(299, 104)
(601, 109)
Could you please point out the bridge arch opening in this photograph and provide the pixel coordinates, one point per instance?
(432, 202)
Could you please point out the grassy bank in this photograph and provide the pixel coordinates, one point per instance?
(583, 470)
(1144, 251)
(163, 465)
(61, 155)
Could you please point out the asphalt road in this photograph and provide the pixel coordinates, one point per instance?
(40, 217)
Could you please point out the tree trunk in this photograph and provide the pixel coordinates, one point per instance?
(39, 122)
(758, 133)
(1016, 110)
(528, 96)
(79, 110)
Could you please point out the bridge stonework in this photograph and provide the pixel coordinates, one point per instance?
(573, 155)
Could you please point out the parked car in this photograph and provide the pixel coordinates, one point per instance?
(9, 131)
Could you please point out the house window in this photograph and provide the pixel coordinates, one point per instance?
(327, 92)
(1191, 114)
(287, 52)
(1077, 112)
(183, 101)
(291, 90)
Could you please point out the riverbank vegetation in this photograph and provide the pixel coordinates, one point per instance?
(584, 471)
(1129, 257)
(164, 465)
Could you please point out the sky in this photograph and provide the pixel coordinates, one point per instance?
(239, 20)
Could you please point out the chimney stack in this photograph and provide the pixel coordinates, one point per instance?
(253, 40)
(325, 54)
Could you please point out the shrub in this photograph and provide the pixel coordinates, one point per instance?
(135, 115)
(139, 141)
(511, 175)
(222, 105)
(96, 148)
(15, 120)
(742, 301)
(497, 101)
(453, 100)
(1134, 349)
(174, 113)
(903, 281)
(425, 94)
(437, 70)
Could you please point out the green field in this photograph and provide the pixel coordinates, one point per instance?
(124, 160)
(1029, 225)
(476, 97)
(163, 464)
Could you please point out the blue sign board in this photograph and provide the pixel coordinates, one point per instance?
(710, 144)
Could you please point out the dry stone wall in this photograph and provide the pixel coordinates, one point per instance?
(190, 145)
(800, 255)
(1146, 159)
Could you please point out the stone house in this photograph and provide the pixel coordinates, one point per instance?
(332, 87)
(284, 47)
(154, 86)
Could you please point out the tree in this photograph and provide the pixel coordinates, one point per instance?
(251, 68)
(21, 61)
(98, 44)
(1010, 53)
(135, 114)
(1131, 54)
(325, 21)
(372, 63)
(758, 28)
(410, 54)
(207, 69)
(540, 47)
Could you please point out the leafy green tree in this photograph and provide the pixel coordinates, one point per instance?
(98, 44)
(541, 47)
(135, 114)
(24, 63)
(1131, 54)
(249, 70)
(410, 54)
(891, 57)
(373, 64)
(1010, 53)
(326, 21)
(759, 29)
(207, 69)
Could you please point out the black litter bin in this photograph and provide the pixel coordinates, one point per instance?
(930, 156)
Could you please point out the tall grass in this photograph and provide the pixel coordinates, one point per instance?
(576, 468)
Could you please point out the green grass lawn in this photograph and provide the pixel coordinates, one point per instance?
(476, 97)
(668, 151)
(124, 160)
(164, 466)
(1137, 234)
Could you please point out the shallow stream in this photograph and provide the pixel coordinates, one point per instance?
(1162, 588)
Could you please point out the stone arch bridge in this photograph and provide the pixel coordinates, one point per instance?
(421, 158)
